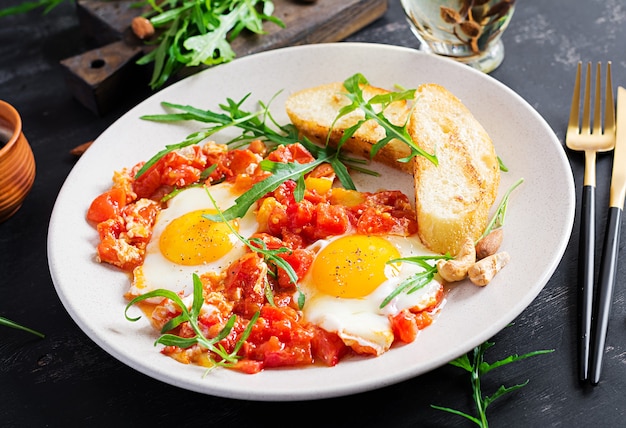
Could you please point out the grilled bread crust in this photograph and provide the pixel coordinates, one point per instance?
(453, 198)
(313, 111)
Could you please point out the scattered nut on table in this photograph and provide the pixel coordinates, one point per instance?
(80, 149)
(142, 27)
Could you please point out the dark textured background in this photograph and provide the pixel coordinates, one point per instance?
(66, 380)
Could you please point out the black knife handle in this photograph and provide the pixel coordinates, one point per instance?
(586, 256)
(606, 281)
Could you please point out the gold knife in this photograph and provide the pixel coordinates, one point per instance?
(608, 264)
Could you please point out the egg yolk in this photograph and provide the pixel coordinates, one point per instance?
(353, 266)
(192, 239)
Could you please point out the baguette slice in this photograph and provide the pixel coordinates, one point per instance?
(453, 199)
(313, 111)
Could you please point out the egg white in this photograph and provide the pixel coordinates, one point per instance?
(361, 321)
(157, 272)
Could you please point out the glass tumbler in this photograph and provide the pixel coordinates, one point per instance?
(468, 31)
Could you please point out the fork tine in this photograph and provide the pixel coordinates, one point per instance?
(573, 125)
(585, 126)
(597, 124)
(609, 105)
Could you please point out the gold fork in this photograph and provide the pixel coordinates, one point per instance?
(590, 138)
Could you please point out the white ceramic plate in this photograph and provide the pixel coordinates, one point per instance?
(538, 224)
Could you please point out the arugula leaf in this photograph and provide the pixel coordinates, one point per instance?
(501, 165)
(236, 117)
(27, 6)
(191, 315)
(8, 323)
(498, 218)
(199, 32)
(417, 281)
(281, 172)
(355, 95)
(255, 126)
(271, 256)
(477, 367)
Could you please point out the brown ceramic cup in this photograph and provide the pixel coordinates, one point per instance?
(17, 163)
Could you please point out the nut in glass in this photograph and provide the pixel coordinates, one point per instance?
(468, 31)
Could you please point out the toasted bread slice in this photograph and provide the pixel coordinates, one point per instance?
(313, 111)
(453, 199)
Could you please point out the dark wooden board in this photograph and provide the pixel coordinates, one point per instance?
(99, 77)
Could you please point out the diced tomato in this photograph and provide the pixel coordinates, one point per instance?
(423, 319)
(180, 176)
(291, 153)
(245, 284)
(284, 192)
(242, 161)
(300, 260)
(112, 228)
(300, 214)
(147, 183)
(279, 340)
(118, 252)
(327, 347)
(278, 220)
(404, 326)
(377, 221)
(330, 220)
(292, 239)
(391, 198)
(248, 366)
(270, 241)
(258, 147)
(323, 170)
(107, 205)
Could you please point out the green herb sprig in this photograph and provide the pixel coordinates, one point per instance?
(8, 323)
(199, 32)
(27, 6)
(478, 367)
(234, 116)
(255, 125)
(497, 220)
(191, 33)
(281, 172)
(259, 125)
(257, 245)
(417, 281)
(191, 316)
(358, 102)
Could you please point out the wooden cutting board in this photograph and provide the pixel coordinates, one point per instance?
(100, 77)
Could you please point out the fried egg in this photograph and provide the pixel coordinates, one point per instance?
(350, 278)
(184, 242)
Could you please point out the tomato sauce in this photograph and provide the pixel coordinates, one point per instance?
(125, 214)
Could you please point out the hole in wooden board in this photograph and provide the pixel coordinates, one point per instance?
(98, 63)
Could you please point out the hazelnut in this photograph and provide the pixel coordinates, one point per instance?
(490, 244)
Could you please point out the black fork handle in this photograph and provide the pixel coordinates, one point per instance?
(586, 256)
(606, 283)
